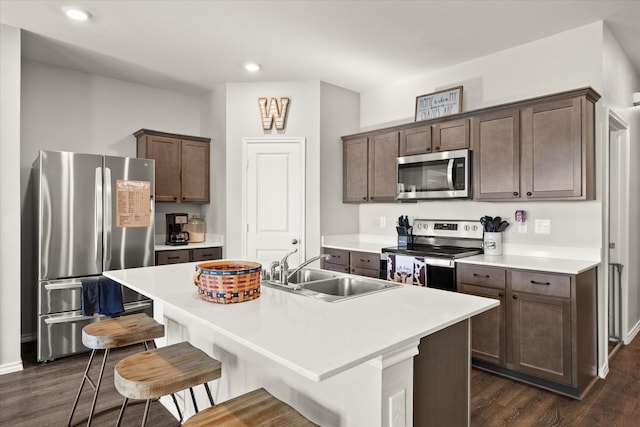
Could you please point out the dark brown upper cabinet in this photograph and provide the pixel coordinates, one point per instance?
(181, 165)
(369, 168)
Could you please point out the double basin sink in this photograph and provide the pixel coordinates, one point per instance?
(331, 286)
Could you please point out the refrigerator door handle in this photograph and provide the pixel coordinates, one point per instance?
(97, 221)
(58, 286)
(69, 319)
(107, 218)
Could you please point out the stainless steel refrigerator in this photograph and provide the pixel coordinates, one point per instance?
(93, 213)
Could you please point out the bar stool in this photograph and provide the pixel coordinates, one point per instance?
(114, 333)
(167, 370)
(254, 409)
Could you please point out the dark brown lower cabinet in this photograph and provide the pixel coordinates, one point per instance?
(178, 256)
(353, 262)
(544, 331)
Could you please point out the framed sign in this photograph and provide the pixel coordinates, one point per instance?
(439, 104)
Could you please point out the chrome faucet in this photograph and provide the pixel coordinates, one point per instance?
(284, 267)
(326, 257)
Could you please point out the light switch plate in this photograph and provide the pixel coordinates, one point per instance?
(543, 226)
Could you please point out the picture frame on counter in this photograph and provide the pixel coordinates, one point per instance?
(439, 104)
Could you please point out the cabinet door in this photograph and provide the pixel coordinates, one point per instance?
(488, 328)
(355, 170)
(335, 267)
(540, 342)
(195, 171)
(383, 169)
(338, 256)
(206, 254)
(496, 155)
(552, 150)
(453, 135)
(166, 153)
(172, 257)
(415, 141)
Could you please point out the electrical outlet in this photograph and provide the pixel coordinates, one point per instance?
(397, 410)
(383, 221)
(543, 226)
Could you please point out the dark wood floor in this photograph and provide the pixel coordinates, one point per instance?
(42, 395)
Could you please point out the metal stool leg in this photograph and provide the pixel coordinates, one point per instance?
(146, 412)
(175, 402)
(95, 396)
(124, 406)
(84, 379)
(193, 399)
(206, 386)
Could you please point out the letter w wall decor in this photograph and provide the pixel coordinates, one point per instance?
(277, 110)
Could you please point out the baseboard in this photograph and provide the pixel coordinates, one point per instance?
(8, 368)
(632, 333)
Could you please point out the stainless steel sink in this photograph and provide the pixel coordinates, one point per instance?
(332, 287)
(306, 275)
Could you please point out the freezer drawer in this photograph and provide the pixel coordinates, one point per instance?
(61, 334)
(58, 296)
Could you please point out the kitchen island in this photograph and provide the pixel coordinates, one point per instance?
(348, 363)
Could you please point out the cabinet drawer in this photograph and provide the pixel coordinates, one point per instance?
(541, 284)
(172, 257)
(335, 267)
(338, 256)
(482, 276)
(366, 272)
(365, 260)
(206, 254)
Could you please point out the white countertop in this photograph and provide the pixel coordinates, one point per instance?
(359, 242)
(317, 339)
(210, 241)
(548, 264)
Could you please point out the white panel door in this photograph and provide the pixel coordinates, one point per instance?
(274, 199)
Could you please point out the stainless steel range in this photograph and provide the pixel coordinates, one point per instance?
(428, 259)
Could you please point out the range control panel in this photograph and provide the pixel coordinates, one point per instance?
(463, 229)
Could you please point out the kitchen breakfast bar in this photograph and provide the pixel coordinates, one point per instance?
(398, 357)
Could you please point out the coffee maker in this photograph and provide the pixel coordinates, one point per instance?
(175, 235)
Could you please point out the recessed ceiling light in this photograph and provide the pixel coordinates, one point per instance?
(76, 13)
(252, 67)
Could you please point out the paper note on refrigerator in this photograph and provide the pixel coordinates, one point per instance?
(133, 203)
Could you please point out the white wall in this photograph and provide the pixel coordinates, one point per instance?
(243, 120)
(620, 81)
(70, 110)
(565, 61)
(213, 119)
(339, 115)
(10, 249)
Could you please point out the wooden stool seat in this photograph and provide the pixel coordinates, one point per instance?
(112, 333)
(121, 331)
(163, 371)
(255, 409)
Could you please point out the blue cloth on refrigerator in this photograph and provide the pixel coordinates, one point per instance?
(90, 300)
(110, 297)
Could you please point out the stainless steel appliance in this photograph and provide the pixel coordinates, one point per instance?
(442, 175)
(175, 234)
(94, 213)
(429, 259)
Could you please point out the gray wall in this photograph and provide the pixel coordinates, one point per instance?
(70, 110)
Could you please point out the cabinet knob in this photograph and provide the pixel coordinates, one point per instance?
(370, 198)
(428, 149)
(437, 148)
(500, 294)
(515, 297)
(364, 198)
(515, 193)
(529, 193)
(175, 198)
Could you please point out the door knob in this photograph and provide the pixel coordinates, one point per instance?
(294, 241)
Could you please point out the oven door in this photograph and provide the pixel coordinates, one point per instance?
(439, 273)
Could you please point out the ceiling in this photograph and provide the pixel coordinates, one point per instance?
(194, 46)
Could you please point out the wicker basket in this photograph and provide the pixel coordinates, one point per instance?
(228, 281)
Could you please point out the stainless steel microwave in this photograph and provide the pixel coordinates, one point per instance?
(442, 175)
